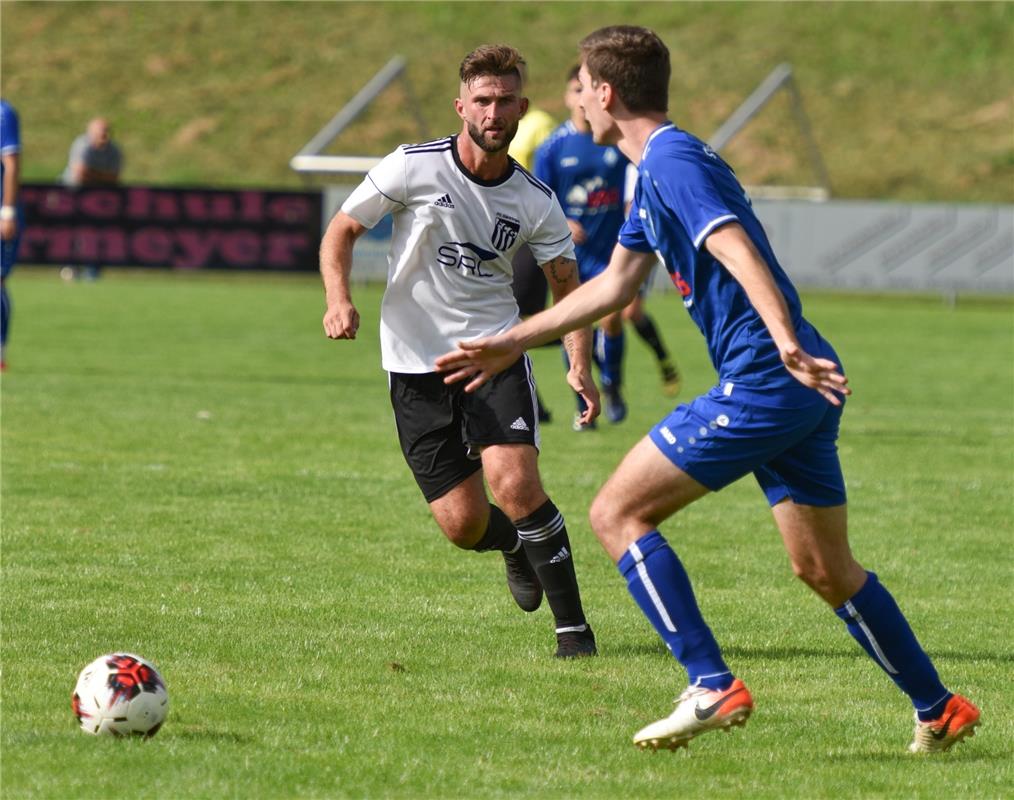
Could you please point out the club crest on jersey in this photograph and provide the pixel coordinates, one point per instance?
(505, 232)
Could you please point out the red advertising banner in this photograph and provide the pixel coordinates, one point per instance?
(141, 226)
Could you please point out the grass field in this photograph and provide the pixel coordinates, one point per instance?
(908, 101)
(192, 472)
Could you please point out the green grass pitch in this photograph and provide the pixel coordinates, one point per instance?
(191, 471)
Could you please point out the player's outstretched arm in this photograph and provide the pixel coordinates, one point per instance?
(341, 320)
(11, 187)
(563, 278)
(736, 252)
(614, 288)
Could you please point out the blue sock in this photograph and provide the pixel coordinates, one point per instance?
(661, 587)
(876, 622)
(609, 356)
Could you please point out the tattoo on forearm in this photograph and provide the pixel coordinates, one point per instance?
(578, 346)
(571, 345)
(561, 269)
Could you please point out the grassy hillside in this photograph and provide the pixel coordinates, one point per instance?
(908, 101)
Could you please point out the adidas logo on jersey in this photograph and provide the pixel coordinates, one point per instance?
(563, 555)
(444, 202)
(519, 425)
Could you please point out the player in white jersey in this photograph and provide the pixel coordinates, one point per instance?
(461, 207)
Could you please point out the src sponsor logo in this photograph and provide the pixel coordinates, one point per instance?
(505, 232)
(465, 257)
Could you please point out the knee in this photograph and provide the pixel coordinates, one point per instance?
(606, 518)
(518, 494)
(832, 585)
(810, 573)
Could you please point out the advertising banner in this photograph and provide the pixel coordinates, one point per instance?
(141, 226)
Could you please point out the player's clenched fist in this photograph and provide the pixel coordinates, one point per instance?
(341, 321)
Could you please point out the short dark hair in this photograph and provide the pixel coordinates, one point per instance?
(634, 61)
(492, 59)
(573, 72)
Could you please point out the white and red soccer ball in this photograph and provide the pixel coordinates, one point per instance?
(120, 694)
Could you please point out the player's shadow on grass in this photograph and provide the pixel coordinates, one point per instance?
(771, 653)
(964, 754)
(792, 652)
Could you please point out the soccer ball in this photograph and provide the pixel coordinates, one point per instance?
(120, 694)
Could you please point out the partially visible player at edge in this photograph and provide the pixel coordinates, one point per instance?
(461, 208)
(775, 411)
(11, 217)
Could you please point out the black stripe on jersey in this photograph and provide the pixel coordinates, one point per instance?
(427, 150)
(436, 146)
(430, 143)
(547, 244)
(384, 193)
(533, 180)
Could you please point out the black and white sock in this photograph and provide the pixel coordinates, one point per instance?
(544, 537)
(646, 329)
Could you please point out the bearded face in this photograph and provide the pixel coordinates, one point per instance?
(492, 139)
(491, 107)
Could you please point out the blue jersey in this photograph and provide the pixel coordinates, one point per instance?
(10, 135)
(684, 192)
(588, 180)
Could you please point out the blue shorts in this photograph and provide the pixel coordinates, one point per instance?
(787, 437)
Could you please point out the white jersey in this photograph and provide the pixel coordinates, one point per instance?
(449, 270)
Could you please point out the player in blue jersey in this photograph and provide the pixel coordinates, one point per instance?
(590, 182)
(775, 411)
(11, 217)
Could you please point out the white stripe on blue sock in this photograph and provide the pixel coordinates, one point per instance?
(642, 573)
(870, 638)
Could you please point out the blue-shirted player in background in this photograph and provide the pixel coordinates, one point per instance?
(774, 412)
(11, 217)
(589, 181)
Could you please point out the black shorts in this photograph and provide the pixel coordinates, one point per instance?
(530, 286)
(442, 429)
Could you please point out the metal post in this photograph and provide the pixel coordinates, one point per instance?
(354, 107)
(749, 107)
(780, 76)
(816, 161)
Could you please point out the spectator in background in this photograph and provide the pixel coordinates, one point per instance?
(530, 287)
(11, 216)
(94, 160)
